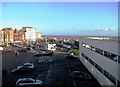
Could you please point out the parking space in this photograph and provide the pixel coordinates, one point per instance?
(76, 65)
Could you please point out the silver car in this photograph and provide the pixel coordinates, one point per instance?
(29, 82)
(45, 59)
(25, 67)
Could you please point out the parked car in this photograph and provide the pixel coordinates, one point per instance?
(24, 67)
(1, 48)
(80, 75)
(23, 50)
(72, 57)
(29, 82)
(45, 59)
(37, 54)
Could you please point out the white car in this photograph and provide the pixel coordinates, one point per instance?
(30, 65)
(24, 67)
(29, 82)
(1, 48)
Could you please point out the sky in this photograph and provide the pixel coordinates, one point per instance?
(63, 18)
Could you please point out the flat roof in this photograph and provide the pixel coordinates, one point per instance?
(115, 39)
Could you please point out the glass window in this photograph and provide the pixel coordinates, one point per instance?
(98, 67)
(107, 54)
(113, 57)
(118, 59)
(99, 51)
(118, 83)
(91, 62)
(83, 55)
(110, 77)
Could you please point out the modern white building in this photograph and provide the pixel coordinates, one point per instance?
(30, 33)
(100, 56)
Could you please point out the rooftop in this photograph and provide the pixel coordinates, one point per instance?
(104, 38)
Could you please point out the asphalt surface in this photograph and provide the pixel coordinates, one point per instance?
(56, 74)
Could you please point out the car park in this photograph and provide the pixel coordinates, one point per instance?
(29, 82)
(24, 67)
(80, 75)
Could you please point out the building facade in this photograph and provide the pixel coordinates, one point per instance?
(8, 34)
(100, 56)
(30, 33)
(1, 37)
(17, 36)
(38, 35)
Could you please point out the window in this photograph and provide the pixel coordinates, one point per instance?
(110, 77)
(118, 83)
(98, 67)
(99, 51)
(107, 54)
(91, 62)
(118, 59)
(83, 55)
(113, 57)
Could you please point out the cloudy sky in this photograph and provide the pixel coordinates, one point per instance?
(63, 18)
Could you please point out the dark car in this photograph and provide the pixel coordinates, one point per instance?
(72, 57)
(49, 53)
(23, 50)
(38, 54)
(80, 75)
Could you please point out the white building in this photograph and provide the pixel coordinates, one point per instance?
(30, 33)
(100, 56)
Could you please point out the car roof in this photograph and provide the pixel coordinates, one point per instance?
(24, 79)
(27, 63)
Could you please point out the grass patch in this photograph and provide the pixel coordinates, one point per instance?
(75, 51)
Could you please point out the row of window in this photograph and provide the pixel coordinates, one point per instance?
(104, 72)
(107, 54)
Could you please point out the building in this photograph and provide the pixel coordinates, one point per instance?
(38, 35)
(100, 56)
(30, 33)
(8, 34)
(17, 36)
(1, 37)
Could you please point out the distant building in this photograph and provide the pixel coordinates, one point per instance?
(30, 33)
(1, 37)
(38, 35)
(8, 34)
(17, 36)
(101, 57)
